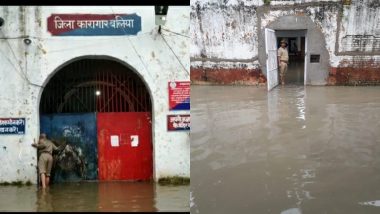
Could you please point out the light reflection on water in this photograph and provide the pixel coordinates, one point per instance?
(96, 196)
(294, 150)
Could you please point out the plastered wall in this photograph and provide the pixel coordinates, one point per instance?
(26, 69)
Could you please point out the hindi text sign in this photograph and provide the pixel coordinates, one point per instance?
(12, 126)
(93, 24)
(179, 122)
(179, 95)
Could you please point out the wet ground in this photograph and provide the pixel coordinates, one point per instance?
(94, 196)
(295, 72)
(290, 151)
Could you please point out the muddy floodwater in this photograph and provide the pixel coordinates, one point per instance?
(294, 150)
(96, 196)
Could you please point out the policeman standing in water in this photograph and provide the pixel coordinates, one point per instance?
(45, 161)
(283, 60)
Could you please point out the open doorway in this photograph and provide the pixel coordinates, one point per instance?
(295, 74)
(316, 60)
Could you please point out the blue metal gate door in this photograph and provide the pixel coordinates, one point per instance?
(77, 132)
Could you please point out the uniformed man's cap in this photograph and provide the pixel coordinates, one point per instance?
(284, 41)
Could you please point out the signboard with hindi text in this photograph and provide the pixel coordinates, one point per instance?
(179, 122)
(179, 95)
(93, 24)
(12, 126)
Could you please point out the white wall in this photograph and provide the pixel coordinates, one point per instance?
(38, 61)
(216, 44)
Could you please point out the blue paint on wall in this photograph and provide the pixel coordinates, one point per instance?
(185, 105)
(78, 161)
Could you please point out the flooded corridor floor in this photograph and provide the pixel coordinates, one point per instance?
(293, 150)
(96, 196)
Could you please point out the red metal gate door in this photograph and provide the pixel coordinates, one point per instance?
(125, 146)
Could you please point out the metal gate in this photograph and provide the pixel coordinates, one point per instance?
(90, 87)
(94, 85)
(125, 149)
(271, 51)
(77, 132)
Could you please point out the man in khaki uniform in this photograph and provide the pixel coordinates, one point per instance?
(45, 151)
(283, 60)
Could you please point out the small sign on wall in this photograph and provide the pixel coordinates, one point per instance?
(314, 58)
(179, 95)
(114, 140)
(179, 122)
(12, 126)
(134, 140)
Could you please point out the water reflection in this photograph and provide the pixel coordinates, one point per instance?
(18, 198)
(96, 196)
(294, 150)
(126, 196)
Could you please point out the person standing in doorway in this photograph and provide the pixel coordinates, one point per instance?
(45, 161)
(283, 59)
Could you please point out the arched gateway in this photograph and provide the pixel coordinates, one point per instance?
(309, 58)
(101, 110)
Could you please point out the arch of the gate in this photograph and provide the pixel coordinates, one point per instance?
(68, 61)
(101, 81)
(317, 73)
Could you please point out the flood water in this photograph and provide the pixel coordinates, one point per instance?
(96, 196)
(293, 150)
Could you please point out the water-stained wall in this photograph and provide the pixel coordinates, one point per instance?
(26, 69)
(228, 41)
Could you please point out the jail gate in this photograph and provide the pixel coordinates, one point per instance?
(100, 110)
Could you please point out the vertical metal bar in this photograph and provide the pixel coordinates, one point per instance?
(100, 89)
(50, 99)
(76, 109)
(103, 91)
(141, 98)
(120, 97)
(146, 98)
(86, 95)
(117, 94)
(108, 92)
(84, 70)
(135, 92)
(113, 92)
(59, 94)
(129, 91)
(53, 97)
(83, 94)
(138, 95)
(95, 77)
(79, 91)
(98, 81)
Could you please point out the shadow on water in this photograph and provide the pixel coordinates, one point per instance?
(96, 196)
(293, 150)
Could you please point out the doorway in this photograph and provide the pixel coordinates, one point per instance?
(100, 111)
(317, 57)
(295, 74)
